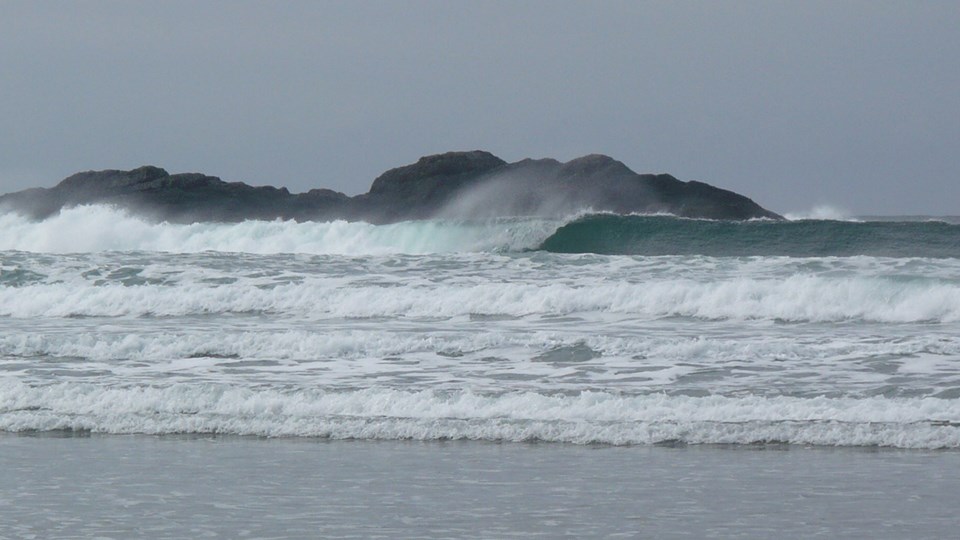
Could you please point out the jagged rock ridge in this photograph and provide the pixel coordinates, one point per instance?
(454, 184)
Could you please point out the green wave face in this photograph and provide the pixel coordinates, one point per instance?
(664, 235)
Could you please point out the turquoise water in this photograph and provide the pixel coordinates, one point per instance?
(663, 235)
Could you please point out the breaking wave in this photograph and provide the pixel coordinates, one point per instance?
(660, 235)
(795, 298)
(380, 413)
(103, 228)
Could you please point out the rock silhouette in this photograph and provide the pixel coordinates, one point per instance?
(454, 184)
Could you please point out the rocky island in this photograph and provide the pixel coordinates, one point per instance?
(454, 184)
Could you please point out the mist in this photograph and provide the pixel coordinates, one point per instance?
(512, 193)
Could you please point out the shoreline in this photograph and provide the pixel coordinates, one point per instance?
(310, 439)
(94, 485)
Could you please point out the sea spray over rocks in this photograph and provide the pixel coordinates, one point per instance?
(465, 184)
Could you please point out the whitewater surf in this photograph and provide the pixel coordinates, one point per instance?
(595, 328)
(96, 228)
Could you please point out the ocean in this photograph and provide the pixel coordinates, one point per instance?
(603, 355)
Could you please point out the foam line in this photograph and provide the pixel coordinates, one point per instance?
(795, 298)
(379, 413)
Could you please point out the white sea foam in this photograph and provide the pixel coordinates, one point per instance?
(794, 298)
(586, 417)
(493, 359)
(511, 347)
(102, 228)
(111, 345)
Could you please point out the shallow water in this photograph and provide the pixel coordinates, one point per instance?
(230, 487)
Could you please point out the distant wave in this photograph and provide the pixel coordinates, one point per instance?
(659, 235)
(383, 413)
(103, 228)
(822, 212)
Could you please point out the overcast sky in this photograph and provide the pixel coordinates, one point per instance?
(798, 104)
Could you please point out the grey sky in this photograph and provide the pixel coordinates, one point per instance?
(852, 104)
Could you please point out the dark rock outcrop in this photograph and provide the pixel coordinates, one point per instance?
(455, 184)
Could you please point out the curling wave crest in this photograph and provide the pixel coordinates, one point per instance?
(103, 228)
